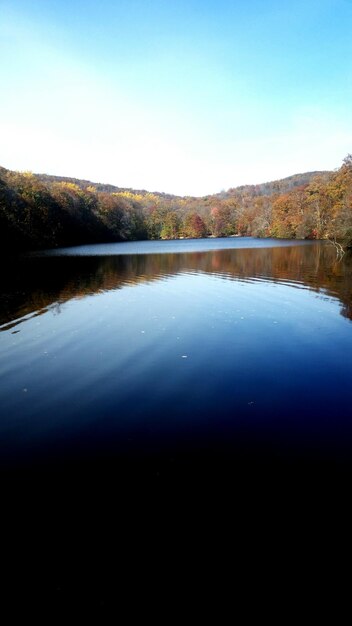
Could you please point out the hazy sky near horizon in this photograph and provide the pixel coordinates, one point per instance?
(182, 96)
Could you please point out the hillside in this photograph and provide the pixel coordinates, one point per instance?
(40, 210)
(282, 185)
(263, 189)
(105, 187)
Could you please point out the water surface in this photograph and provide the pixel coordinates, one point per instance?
(244, 348)
(140, 380)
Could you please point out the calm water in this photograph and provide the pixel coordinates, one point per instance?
(245, 347)
(136, 375)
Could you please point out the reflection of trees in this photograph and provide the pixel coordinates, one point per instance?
(35, 284)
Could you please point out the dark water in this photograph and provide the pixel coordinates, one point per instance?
(129, 379)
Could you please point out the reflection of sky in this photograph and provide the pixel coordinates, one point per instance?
(185, 245)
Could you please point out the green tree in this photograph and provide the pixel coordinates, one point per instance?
(171, 226)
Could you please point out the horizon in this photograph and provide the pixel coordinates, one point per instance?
(187, 98)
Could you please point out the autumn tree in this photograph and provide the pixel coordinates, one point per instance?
(194, 226)
(223, 220)
(171, 226)
(285, 218)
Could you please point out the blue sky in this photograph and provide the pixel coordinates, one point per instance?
(186, 97)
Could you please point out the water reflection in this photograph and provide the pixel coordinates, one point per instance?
(31, 286)
(191, 372)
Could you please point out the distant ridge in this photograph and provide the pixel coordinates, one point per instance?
(281, 185)
(105, 187)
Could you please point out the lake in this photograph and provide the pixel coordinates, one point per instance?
(146, 347)
(150, 367)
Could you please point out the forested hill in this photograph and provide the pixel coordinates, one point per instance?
(106, 187)
(264, 189)
(273, 187)
(38, 210)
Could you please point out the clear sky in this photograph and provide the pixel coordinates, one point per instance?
(182, 96)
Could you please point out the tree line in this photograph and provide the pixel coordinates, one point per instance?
(40, 211)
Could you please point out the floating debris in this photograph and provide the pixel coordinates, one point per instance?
(184, 356)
